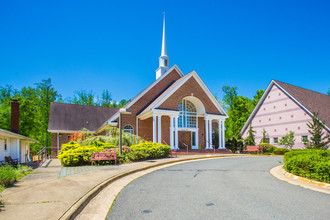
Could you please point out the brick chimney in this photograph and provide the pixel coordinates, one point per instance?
(15, 116)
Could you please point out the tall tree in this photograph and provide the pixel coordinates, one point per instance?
(250, 140)
(82, 97)
(317, 141)
(106, 100)
(257, 97)
(264, 138)
(47, 94)
(229, 97)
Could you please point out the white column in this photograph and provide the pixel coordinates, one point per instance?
(159, 129)
(176, 131)
(223, 135)
(210, 133)
(154, 134)
(219, 134)
(171, 132)
(206, 134)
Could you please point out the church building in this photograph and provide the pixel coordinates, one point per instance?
(176, 109)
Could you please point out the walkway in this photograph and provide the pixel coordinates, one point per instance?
(43, 195)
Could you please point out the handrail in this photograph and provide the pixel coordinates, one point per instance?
(186, 146)
(213, 146)
(42, 155)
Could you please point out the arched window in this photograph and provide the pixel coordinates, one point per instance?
(129, 129)
(188, 115)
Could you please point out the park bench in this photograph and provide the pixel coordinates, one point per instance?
(250, 149)
(107, 155)
(11, 161)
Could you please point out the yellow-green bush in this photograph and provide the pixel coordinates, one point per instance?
(148, 150)
(73, 154)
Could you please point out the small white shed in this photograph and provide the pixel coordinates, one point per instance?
(15, 145)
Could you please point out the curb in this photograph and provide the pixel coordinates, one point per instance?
(314, 185)
(80, 204)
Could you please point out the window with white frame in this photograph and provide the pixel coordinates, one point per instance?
(5, 144)
(275, 140)
(129, 129)
(188, 115)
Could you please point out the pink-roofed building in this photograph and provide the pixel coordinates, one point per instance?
(284, 108)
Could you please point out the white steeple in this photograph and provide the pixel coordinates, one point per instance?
(164, 60)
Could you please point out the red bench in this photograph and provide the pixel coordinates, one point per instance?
(252, 149)
(107, 155)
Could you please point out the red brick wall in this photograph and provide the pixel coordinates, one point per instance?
(63, 140)
(201, 131)
(191, 86)
(144, 101)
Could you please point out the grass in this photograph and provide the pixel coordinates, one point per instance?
(9, 175)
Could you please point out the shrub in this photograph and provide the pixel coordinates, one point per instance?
(73, 154)
(312, 164)
(148, 150)
(280, 151)
(266, 148)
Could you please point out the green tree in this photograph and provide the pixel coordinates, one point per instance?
(257, 97)
(250, 140)
(122, 103)
(329, 91)
(316, 140)
(288, 140)
(47, 94)
(230, 96)
(264, 138)
(82, 97)
(106, 100)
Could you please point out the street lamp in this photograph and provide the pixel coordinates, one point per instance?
(124, 111)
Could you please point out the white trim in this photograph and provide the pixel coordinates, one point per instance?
(206, 134)
(149, 114)
(58, 143)
(10, 134)
(154, 134)
(65, 131)
(201, 83)
(159, 124)
(136, 98)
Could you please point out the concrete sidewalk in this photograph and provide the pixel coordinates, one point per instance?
(43, 195)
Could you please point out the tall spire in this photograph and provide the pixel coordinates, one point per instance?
(164, 46)
(164, 60)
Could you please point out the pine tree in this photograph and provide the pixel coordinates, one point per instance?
(317, 141)
(250, 140)
(264, 138)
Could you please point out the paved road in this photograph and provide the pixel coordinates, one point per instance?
(226, 188)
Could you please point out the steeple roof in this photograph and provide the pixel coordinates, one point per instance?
(164, 45)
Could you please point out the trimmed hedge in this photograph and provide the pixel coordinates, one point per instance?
(266, 148)
(73, 154)
(312, 164)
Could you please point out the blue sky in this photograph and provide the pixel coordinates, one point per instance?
(115, 45)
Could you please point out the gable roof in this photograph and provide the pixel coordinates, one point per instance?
(143, 92)
(176, 85)
(14, 135)
(307, 99)
(72, 117)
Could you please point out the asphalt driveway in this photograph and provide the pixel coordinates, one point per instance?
(226, 188)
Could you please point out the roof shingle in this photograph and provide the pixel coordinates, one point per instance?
(72, 117)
